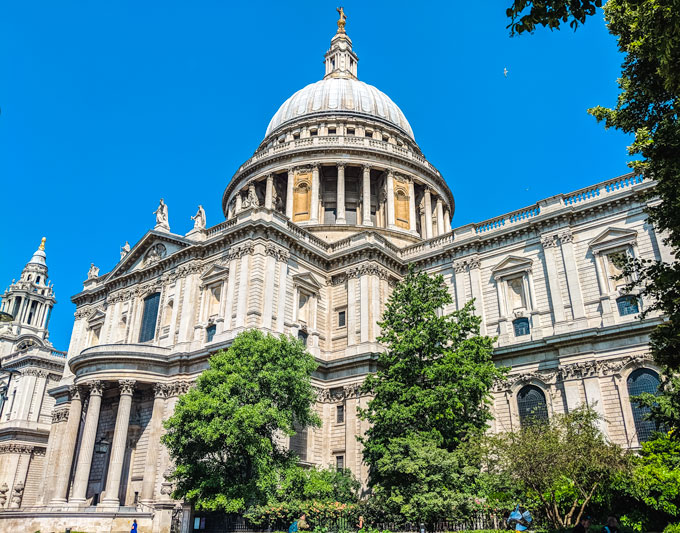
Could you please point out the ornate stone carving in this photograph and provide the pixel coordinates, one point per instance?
(167, 486)
(549, 241)
(176, 388)
(566, 236)
(74, 392)
(160, 390)
(34, 372)
(96, 388)
(17, 495)
(276, 252)
(337, 394)
(124, 250)
(4, 489)
(251, 199)
(16, 448)
(59, 415)
(156, 253)
(127, 386)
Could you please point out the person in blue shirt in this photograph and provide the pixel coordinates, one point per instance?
(134, 527)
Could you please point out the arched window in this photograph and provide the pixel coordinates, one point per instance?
(531, 405)
(401, 209)
(642, 380)
(149, 318)
(521, 326)
(303, 337)
(210, 333)
(628, 305)
(301, 202)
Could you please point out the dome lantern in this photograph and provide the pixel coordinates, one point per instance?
(341, 61)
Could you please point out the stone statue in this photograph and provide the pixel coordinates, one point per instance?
(251, 200)
(18, 494)
(93, 273)
(162, 216)
(341, 20)
(124, 250)
(199, 218)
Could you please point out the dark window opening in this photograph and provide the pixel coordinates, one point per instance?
(340, 414)
(521, 326)
(531, 405)
(148, 331)
(350, 131)
(313, 133)
(341, 319)
(331, 131)
(210, 332)
(642, 380)
(339, 462)
(296, 136)
(303, 337)
(628, 305)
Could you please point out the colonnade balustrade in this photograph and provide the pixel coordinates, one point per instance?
(436, 214)
(83, 459)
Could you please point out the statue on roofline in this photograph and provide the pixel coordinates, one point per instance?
(199, 218)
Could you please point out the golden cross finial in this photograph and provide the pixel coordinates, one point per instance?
(42, 243)
(341, 20)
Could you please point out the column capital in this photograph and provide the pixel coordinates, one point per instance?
(315, 165)
(291, 171)
(160, 390)
(75, 392)
(341, 164)
(127, 386)
(96, 388)
(366, 167)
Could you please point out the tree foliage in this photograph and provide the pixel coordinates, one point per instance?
(430, 395)
(648, 34)
(561, 464)
(225, 433)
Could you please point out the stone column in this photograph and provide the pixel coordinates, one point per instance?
(428, 214)
(390, 200)
(68, 448)
(269, 192)
(120, 434)
(440, 216)
(351, 308)
(412, 206)
(281, 310)
(447, 220)
(289, 193)
(314, 208)
(88, 437)
(366, 213)
(340, 200)
(156, 428)
(364, 307)
(239, 203)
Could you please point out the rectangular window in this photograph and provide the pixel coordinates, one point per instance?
(313, 133)
(350, 131)
(339, 462)
(331, 131)
(342, 315)
(296, 136)
(521, 326)
(210, 333)
(340, 414)
(628, 305)
(148, 331)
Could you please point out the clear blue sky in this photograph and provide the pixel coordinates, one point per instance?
(107, 106)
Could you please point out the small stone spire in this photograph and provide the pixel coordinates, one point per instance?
(341, 61)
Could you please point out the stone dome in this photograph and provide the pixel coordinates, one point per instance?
(336, 95)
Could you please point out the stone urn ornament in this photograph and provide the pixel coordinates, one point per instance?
(18, 494)
(4, 489)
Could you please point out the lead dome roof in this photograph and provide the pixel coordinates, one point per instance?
(340, 96)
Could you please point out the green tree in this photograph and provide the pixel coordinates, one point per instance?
(223, 434)
(561, 464)
(430, 396)
(648, 34)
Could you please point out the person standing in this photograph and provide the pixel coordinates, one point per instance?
(134, 526)
(612, 525)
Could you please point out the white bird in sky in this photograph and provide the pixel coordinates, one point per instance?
(505, 72)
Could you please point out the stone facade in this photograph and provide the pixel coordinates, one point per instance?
(321, 222)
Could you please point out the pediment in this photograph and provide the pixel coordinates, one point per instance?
(612, 237)
(215, 271)
(511, 265)
(96, 315)
(308, 280)
(152, 248)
